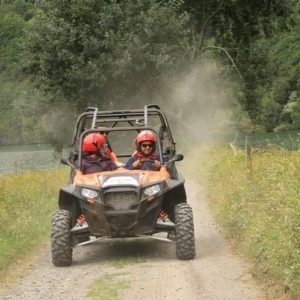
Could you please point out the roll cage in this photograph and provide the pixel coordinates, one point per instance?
(151, 118)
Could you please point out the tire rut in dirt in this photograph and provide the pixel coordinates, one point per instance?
(61, 247)
(185, 239)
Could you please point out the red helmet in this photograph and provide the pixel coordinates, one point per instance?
(145, 135)
(93, 142)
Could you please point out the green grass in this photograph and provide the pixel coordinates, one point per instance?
(259, 207)
(27, 202)
(124, 253)
(121, 263)
(107, 287)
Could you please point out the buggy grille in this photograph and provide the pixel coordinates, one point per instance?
(120, 200)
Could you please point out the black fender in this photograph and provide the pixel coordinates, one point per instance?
(67, 200)
(176, 194)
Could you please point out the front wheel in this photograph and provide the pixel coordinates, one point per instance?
(61, 246)
(184, 228)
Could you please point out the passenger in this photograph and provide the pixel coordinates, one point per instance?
(107, 147)
(93, 156)
(108, 150)
(145, 157)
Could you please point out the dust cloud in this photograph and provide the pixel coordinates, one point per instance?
(58, 123)
(200, 104)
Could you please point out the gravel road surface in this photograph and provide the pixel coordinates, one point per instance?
(152, 271)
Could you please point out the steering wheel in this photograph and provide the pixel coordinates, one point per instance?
(147, 160)
(144, 161)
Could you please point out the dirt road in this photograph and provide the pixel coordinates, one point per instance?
(150, 269)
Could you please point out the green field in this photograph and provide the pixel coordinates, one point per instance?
(27, 202)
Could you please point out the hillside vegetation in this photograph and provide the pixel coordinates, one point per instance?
(58, 57)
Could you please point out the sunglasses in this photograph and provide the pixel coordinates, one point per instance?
(147, 145)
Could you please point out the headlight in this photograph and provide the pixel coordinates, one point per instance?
(89, 193)
(152, 190)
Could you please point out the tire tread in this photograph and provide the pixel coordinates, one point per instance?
(185, 238)
(61, 239)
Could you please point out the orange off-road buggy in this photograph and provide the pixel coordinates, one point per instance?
(122, 203)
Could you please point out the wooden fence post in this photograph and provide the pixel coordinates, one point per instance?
(248, 151)
(232, 145)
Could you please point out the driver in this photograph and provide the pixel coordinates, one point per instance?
(145, 157)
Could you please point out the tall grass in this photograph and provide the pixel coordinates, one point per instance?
(259, 207)
(27, 201)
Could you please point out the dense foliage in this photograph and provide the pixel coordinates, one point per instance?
(62, 56)
(84, 51)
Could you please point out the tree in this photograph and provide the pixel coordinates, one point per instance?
(90, 52)
(249, 30)
(12, 25)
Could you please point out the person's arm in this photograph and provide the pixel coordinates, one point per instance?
(130, 162)
(113, 165)
(113, 156)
